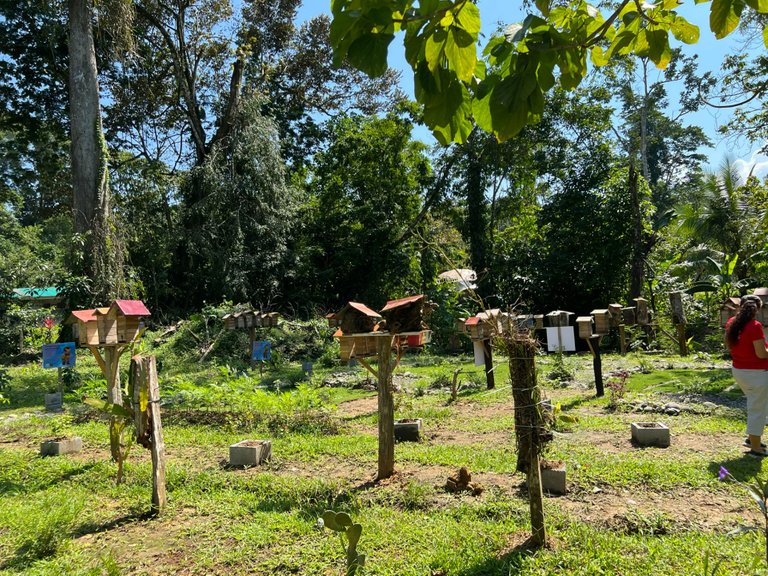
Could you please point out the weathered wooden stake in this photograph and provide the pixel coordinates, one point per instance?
(597, 363)
(489, 377)
(149, 429)
(528, 425)
(623, 339)
(386, 409)
(110, 368)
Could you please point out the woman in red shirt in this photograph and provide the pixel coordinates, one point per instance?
(745, 338)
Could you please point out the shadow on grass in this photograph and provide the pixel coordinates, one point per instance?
(508, 563)
(99, 527)
(745, 468)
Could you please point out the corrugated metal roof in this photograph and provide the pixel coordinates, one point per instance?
(472, 321)
(132, 307)
(402, 301)
(47, 292)
(364, 309)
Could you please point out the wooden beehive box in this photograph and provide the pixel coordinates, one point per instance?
(333, 322)
(406, 314)
(230, 322)
(538, 321)
(239, 319)
(461, 326)
(85, 326)
(250, 318)
(357, 346)
(121, 322)
(356, 318)
(729, 309)
(478, 328)
(676, 307)
(616, 316)
(559, 318)
(585, 326)
(271, 319)
(602, 321)
(642, 314)
(628, 315)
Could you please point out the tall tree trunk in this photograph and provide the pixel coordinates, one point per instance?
(89, 177)
(477, 218)
(90, 184)
(638, 248)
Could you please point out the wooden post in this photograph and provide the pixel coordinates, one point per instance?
(536, 498)
(623, 339)
(528, 425)
(597, 364)
(149, 429)
(158, 444)
(489, 378)
(386, 410)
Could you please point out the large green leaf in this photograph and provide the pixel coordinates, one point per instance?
(724, 16)
(685, 31)
(659, 52)
(368, 53)
(468, 17)
(461, 53)
(765, 35)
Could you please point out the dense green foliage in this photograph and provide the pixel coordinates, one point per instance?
(272, 179)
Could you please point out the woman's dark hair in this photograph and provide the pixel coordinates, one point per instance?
(750, 304)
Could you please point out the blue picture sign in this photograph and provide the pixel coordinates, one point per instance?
(262, 350)
(59, 355)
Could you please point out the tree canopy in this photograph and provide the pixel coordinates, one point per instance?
(504, 89)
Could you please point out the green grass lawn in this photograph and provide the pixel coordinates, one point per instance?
(628, 510)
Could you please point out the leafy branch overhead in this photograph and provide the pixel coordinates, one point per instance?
(504, 90)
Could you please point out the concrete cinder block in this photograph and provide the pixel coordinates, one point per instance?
(250, 452)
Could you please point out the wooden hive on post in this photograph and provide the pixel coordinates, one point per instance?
(85, 326)
(559, 318)
(354, 318)
(628, 315)
(676, 307)
(406, 314)
(729, 309)
(121, 322)
(538, 321)
(617, 318)
(585, 326)
(602, 321)
(230, 322)
(642, 314)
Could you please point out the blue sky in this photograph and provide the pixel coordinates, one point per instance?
(709, 50)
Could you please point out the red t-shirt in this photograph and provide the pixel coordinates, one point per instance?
(743, 354)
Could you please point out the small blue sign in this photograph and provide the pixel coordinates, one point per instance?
(262, 350)
(59, 355)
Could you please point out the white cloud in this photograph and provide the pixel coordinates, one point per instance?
(757, 164)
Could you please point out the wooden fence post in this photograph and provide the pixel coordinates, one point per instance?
(489, 377)
(149, 429)
(386, 409)
(528, 425)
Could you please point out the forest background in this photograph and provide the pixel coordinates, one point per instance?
(243, 167)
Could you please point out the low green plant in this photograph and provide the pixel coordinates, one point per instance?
(349, 536)
(562, 370)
